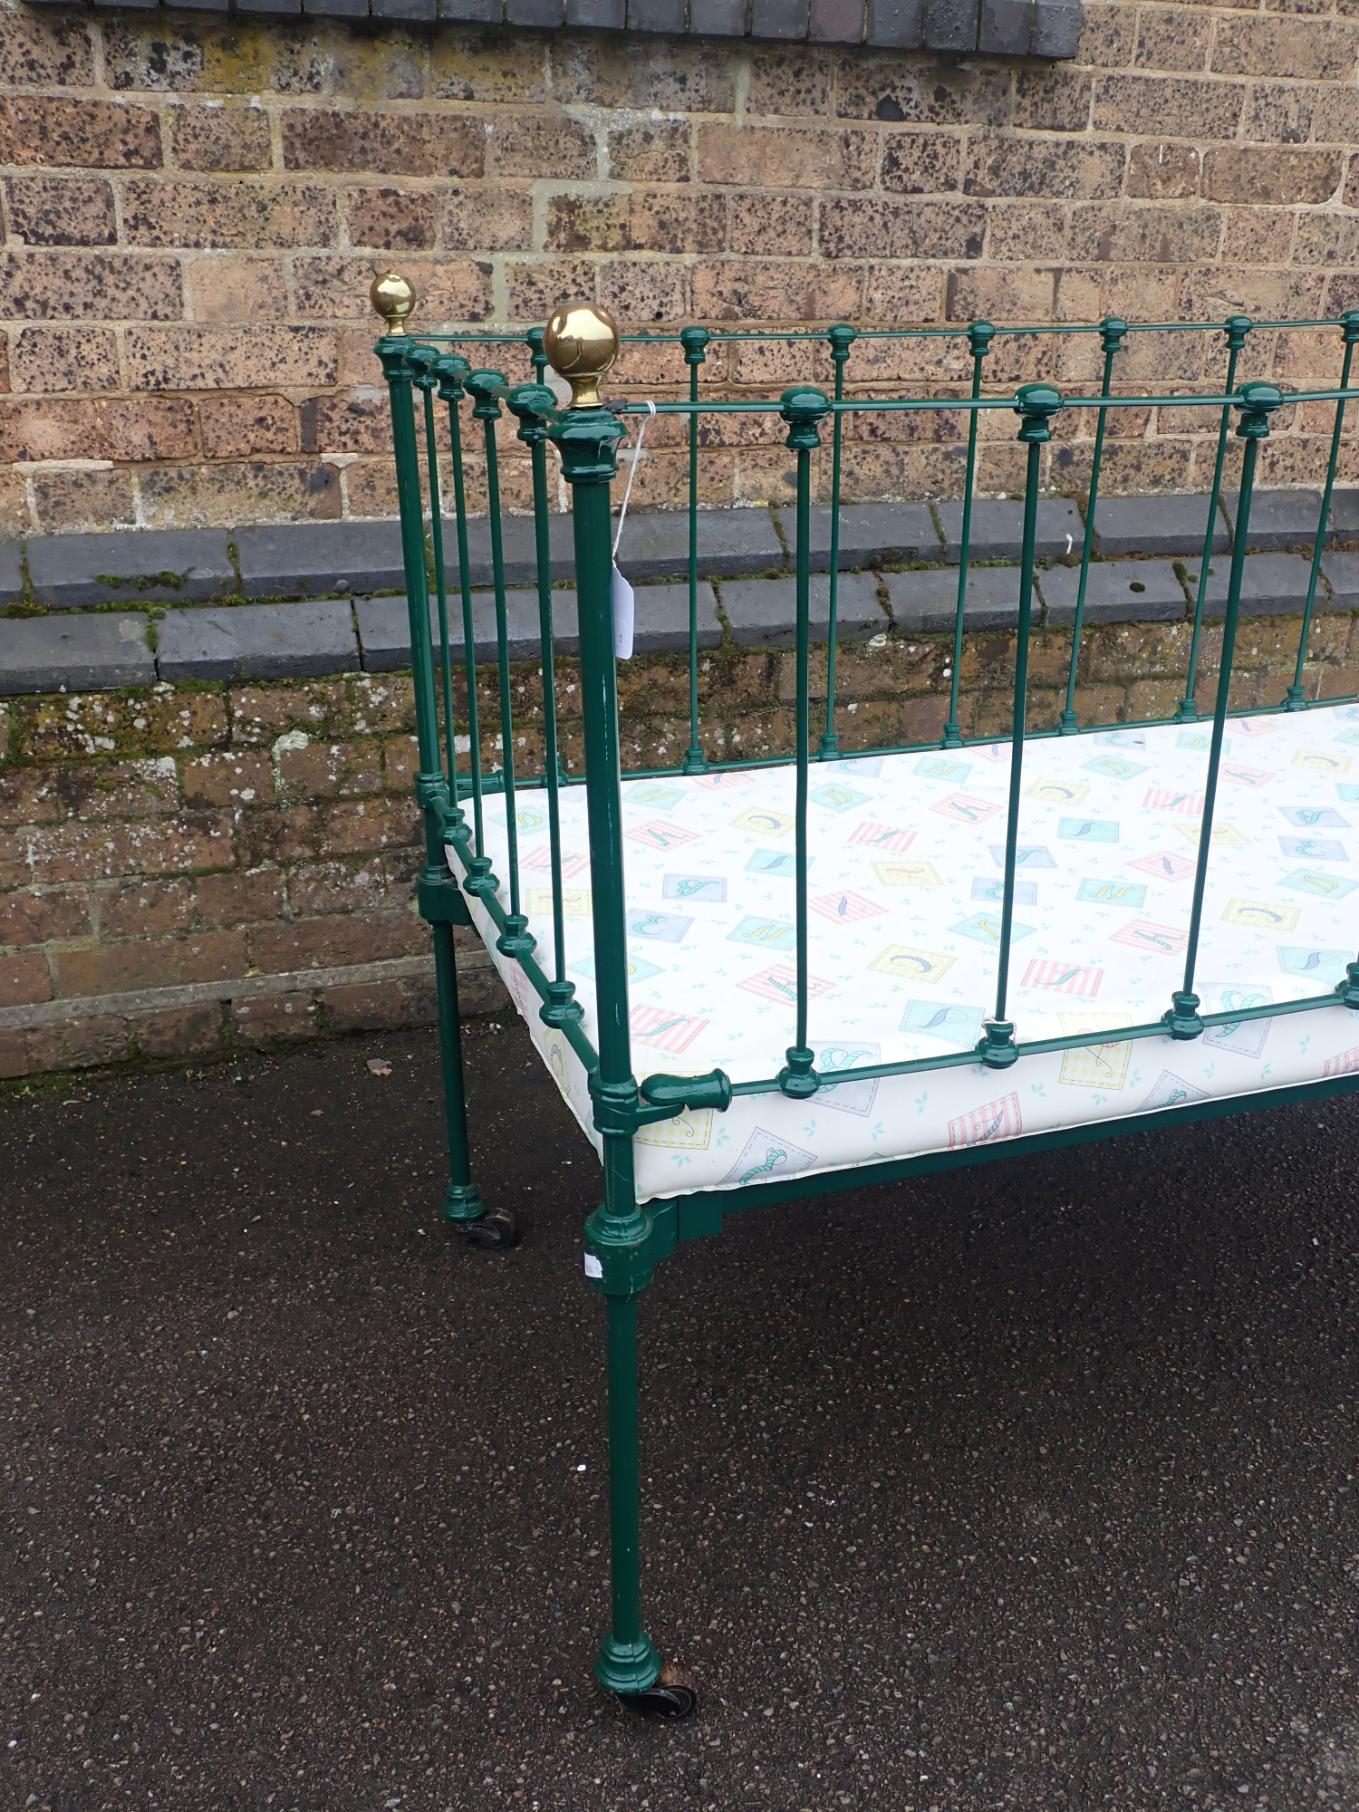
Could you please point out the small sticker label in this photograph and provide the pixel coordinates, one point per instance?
(593, 1267)
(624, 612)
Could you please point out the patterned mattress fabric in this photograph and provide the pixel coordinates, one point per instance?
(904, 893)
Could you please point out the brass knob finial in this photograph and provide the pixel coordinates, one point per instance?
(582, 342)
(394, 299)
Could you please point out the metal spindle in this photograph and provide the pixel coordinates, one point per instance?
(453, 373)
(534, 405)
(803, 410)
(841, 338)
(1236, 327)
(1035, 404)
(1349, 327)
(979, 337)
(694, 340)
(1112, 330)
(1256, 403)
(515, 939)
(426, 382)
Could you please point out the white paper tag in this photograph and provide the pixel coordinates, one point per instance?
(593, 1267)
(624, 612)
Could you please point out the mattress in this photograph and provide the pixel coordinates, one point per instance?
(904, 892)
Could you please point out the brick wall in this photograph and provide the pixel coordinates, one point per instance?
(185, 870)
(193, 208)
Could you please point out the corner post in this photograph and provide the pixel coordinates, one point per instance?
(440, 902)
(620, 1252)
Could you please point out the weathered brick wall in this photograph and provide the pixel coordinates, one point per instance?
(186, 869)
(193, 208)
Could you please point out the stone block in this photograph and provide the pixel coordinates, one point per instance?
(604, 15)
(951, 24)
(896, 24)
(75, 654)
(717, 18)
(1174, 523)
(871, 534)
(1341, 574)
(997, 528)
(482, 12)
(544, 13)
(1117, 590)
(1271, 585)
(1057, 26)
(762, 612)
(925, 602)
(335, 9)
(1278, 519)
(11, 573)
(72, 572)
(838, 21)
(662, 625)
(779, 18)
(656, 15)
(258, 641)
(1005, 27)
(319, 559)
(1345, 514)
(405, 9)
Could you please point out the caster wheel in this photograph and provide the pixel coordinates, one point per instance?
(673, 1697)
(493, 1232)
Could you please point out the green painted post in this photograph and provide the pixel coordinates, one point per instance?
(452, 375)
(426, 380)
(462, 1204)
(619, 1232)
(804, 410)
(534, 405)
(1035, 404)
(516, 939)
(841, 338)
(694, 340)
(1112, 330)
(979, 337)
(1294, 698)
(1257, 402)
(1236, 328)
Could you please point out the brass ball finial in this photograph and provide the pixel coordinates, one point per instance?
(581, 342)
(394, 299)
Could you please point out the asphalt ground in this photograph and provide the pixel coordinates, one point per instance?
(1025, 1489)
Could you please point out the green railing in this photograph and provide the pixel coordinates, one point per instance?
(429, 377)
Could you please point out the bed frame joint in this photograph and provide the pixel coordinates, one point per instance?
(621, 1107)
(440, 900)
(622, 1251)
(1348, 990)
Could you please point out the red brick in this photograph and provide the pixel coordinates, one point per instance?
(89, 852)
(367, 1007)
(353, 827)
(41, 918)
(324, 887)
(151, 963)
(264, 1019)
(139, 907)
(323, 769)
(249, 897)
(78, 1044)
(24, 979)
(337, 942)
(229, 778)
(52, 130)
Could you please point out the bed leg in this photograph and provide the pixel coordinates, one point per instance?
(627, 1663)
(463, 1207)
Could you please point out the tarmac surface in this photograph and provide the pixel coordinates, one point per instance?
(1033, 1488)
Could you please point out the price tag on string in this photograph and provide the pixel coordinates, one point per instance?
(621, 594)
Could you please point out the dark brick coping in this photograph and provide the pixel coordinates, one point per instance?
(1047, 29)
(93, 614)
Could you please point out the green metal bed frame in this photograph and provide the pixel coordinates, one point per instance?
(435, 391)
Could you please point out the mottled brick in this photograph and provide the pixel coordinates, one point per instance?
(238, 214)
(211, 136)
(88, 286)
(399, 144)
(787, 157)
(61, 210)
(178, 358)
(53, 130)
(48, 360)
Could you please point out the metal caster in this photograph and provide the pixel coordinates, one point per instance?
(497, 1232)
(672, 1698)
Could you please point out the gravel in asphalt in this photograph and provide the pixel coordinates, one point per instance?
(1026, 1489)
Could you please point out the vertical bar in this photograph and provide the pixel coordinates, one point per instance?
(625, 1494)
(694, 340)
(534, 404)
(1256, 403)
(1349, 326)
(1236, 327)
(452, 373)
(841, 338)
(979, 337)
(1112, 330)
(538, 356)
(426, 383)
(803, 410)
(515, 939)
(1035, 404)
